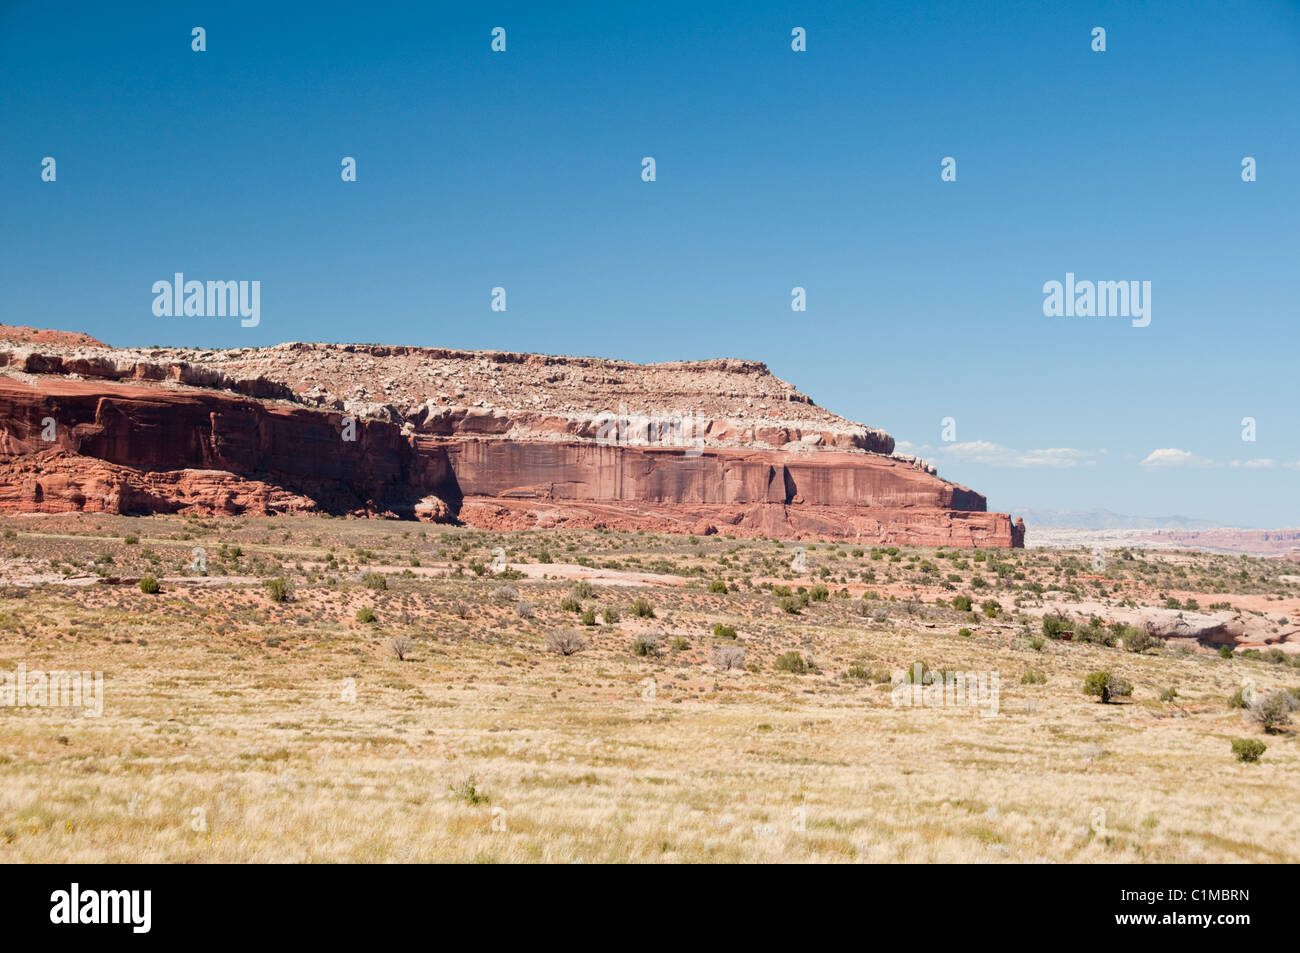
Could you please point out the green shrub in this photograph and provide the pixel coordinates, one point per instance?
(1225, 651)
(277, 589)
(610, 615)
(961, 603)
(1094, 633)
(642, 609)
(819, 593)
(792, 604)
(791, 662)
(964, 632)
(1106, 686)
(570, 604)
(149, 585)
(1033, 677)
(916, 673)
(374, 580)
(1137, 640)
(467, 791)
(721, 631)
(589, 617)
(366, 614)
(131, 540)
(1248, 749)
(864, 673)
(1057, 627)
(717, 586)
(582, 590)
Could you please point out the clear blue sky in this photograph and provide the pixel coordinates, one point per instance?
(775, 169)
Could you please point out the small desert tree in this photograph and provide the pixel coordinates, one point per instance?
(401, 646)
(647, 644)
(1273, 711)
(1138, 640)
(1106, 686)
(566, 642)
(727, 657)
(1057, 627)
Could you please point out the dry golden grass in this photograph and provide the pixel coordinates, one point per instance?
(231, 733)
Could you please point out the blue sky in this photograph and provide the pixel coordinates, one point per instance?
(775, 169)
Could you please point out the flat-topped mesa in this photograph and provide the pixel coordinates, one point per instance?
(489, 438)
(504, 394)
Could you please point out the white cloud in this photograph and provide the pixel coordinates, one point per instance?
(1172, 457)
(1055, 457)
(996, 455)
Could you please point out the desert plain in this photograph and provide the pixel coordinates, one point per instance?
(317, 689)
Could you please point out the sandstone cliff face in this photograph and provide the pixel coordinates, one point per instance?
(193, 436)
(152, 431)
(816, 495)
(55, 481)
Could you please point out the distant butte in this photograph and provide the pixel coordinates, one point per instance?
(491, 439)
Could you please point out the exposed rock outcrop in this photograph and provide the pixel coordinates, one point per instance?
(25, 335)
(168, 436)
(92, 428)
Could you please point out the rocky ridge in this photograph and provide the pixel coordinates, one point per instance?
(488, 437)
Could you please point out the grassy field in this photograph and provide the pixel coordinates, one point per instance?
(240, 728)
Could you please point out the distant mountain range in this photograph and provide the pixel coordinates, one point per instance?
(1105, 519)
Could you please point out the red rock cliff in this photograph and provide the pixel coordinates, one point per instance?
(173, 446)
